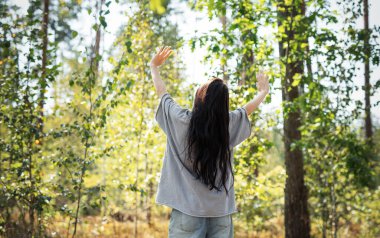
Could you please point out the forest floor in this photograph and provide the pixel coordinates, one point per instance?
(95, 226)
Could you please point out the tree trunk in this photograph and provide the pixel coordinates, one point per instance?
(94, 67)
(43, 83)
(149, 196)
(94, 60)
(248, 60)
(297, 222)
(223, 20)
(367, 85)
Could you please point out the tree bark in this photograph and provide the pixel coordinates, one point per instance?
(248, 60)
(367, 85)
(43, 83)
(223, 20)
(297, 223)
(96, 48)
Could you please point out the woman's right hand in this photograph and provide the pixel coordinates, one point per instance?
(160, 57)
(262, 83)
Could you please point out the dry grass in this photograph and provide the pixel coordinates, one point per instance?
(108, 227)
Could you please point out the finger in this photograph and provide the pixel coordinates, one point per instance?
(161, 49)
(158, 51)
(164, 50)
(168, 53)
(167, 48)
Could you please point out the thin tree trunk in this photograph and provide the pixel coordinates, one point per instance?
(334, 215)
(297, 222)
(223, 20)
(367, 85)
(43, 82)
(309, 70)
(40, 126)
(28, 155)
(248, 60)
(94, 67)
(32, 186)
(138, 152)
(322, 199)
(148, 171)
(94, 59)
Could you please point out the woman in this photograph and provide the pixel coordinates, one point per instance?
(196, 178)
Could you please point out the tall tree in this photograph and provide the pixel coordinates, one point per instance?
(93, 76)
(21, 118)
(43, 82)
(367, 84)
(223, 20)
(297, 223)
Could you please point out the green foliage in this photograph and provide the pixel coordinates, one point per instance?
(324, 121)
(158, 6)
(21, 139)
(100, 151)
(134, 126)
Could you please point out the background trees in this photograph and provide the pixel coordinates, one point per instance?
(80, 151)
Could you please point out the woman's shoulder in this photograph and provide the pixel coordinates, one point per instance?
(174, 109)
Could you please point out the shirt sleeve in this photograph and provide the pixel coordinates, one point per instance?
(169, 115)
(240, 126)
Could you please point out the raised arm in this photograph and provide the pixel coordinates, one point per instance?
(263, 88)
(158, 59)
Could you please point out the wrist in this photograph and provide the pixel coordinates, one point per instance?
(264, 92)
(152, 65)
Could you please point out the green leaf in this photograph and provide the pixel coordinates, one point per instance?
(74, 34)
(296, 79)
(103, 21)
(215, 48)
(128, 44)
(129, 84)
(157, 6)
(95, 27)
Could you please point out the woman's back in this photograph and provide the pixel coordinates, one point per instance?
(178, 187)
(197, 210)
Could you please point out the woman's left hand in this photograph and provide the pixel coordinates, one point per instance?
(161, 56)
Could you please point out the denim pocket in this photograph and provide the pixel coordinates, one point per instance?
(190, 223)
(222, 222)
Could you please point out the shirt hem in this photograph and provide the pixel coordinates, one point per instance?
(171, 206)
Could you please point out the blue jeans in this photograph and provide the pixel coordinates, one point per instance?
(182, 225)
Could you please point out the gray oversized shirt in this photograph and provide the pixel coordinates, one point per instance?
(178, 188)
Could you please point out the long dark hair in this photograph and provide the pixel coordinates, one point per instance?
(208, 136)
